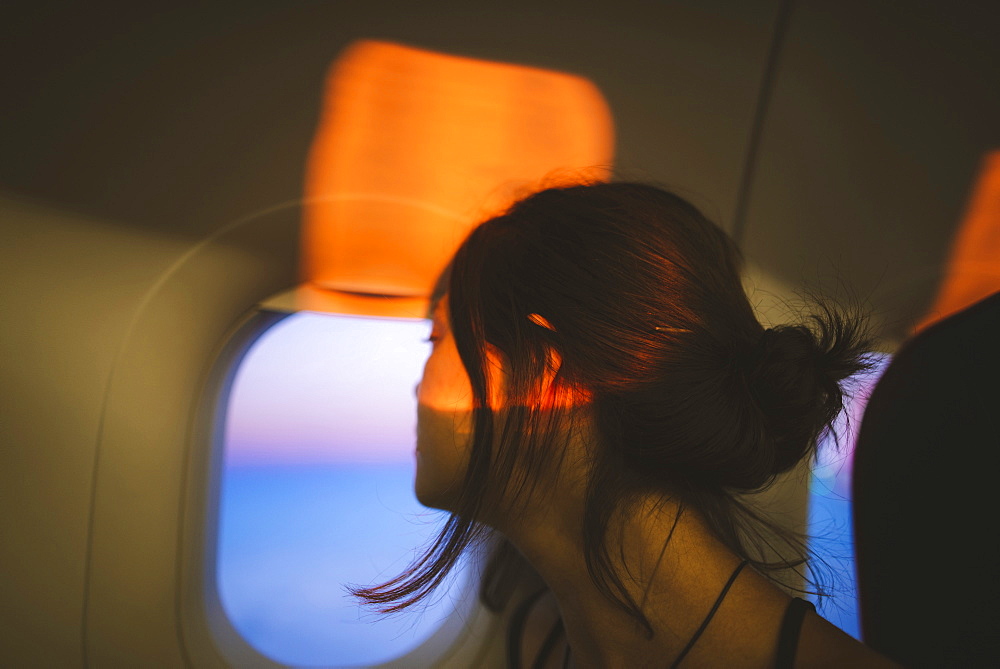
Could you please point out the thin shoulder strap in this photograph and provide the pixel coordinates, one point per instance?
(515, 629)
(791, 627)
(711, 614)
(548, 645)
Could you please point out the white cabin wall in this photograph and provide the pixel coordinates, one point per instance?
(879, 118)
(143, 494)
(69, 286)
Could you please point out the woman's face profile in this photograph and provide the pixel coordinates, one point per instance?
(444, 418)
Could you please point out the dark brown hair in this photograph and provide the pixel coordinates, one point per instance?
(689, 395)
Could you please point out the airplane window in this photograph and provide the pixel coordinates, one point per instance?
(830, 523)
(316, 493)
(317, 490)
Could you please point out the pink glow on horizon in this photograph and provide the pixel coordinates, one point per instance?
(327, 389)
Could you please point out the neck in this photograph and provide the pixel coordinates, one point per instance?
(674, 583)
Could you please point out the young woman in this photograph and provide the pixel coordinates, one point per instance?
(600, 394)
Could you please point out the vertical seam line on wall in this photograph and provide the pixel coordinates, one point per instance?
(760, 114)
(157, 284)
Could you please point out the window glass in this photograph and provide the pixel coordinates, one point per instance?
(830, 524)
(317, 490)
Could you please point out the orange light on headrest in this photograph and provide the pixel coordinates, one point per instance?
(973, 269)
(414, 148)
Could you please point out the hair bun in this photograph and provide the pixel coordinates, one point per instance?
(793, 375)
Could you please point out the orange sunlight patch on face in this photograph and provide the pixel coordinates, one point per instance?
(415, 147)
(973, 270)
(445, 384)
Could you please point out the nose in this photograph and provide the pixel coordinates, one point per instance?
(416, 390)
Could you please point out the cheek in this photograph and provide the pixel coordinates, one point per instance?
(445, 385)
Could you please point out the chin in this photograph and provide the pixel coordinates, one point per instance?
(431, 493)
(434, 501)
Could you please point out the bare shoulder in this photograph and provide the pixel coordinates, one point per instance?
(822, 644)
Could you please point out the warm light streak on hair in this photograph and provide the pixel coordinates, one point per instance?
(973, 270)
(415, 147)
